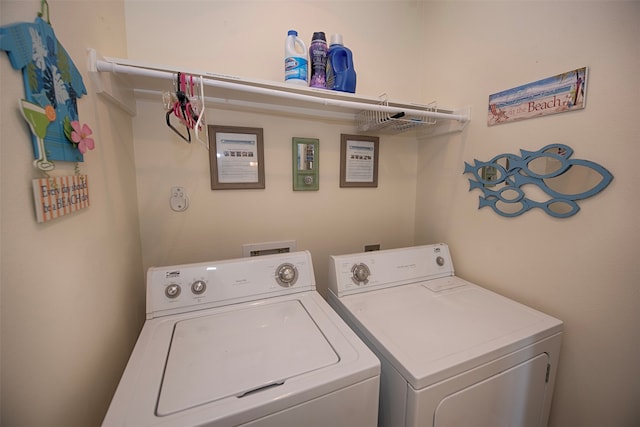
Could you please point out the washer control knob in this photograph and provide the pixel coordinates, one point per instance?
(440, 261)
(360, 274)
(286, 275)
(198, 287)
(172, 291)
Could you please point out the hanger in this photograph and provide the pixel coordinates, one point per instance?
(200, 123)
(179, 104)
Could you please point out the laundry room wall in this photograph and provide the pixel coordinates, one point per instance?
(583, 269)
(72, 289)
(247, 39)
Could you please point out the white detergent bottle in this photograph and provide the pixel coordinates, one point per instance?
(295, 60)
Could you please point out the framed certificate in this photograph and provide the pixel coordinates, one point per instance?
(358, 161)
(236, 156)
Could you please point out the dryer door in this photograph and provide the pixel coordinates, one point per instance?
(494, 395)
(514, 397)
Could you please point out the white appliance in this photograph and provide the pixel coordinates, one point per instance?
(244, 342)
(452, 353)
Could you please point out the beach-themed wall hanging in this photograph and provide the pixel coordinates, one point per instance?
(55, 197)
(554, 181)
(558, 94)
(52, 85)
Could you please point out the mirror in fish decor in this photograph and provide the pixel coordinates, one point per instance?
(554, 181)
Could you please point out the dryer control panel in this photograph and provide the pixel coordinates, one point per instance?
(362, 272)
(188, 287)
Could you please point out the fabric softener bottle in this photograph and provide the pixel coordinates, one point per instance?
(295, 60)
(318, 58)
(341, 74)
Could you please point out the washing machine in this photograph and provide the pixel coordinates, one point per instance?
(452, 353)
(244, 342)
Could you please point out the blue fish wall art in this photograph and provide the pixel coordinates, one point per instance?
(557, 181)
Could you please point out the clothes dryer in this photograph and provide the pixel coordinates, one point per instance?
(452, 353)
(244, 342)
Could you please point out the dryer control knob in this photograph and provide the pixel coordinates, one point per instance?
(198, 287)
(440, 261)
(172, 291)
(360, 274)
(286, 275)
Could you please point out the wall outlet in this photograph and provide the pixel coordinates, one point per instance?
(179, 201)
(373, 247)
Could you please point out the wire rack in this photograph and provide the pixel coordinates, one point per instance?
(392, 123)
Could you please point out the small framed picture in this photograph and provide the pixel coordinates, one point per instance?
(306, 164)
(358, 160)
(236, 156)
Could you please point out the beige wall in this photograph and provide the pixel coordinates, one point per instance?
(584, 269)
(217, 223)
(72, 289)
(68, 326)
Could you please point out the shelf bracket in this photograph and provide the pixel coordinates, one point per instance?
(110, 86)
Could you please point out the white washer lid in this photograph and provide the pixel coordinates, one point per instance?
(439, 328)
(237, 352)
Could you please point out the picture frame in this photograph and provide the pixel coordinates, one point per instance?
(305, 164)
(236, 157)
(359, 160)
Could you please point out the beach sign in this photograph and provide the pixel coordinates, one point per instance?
(558, 94)
(58, 196)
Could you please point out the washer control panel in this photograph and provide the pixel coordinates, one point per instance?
(366, 271)
(188, 287)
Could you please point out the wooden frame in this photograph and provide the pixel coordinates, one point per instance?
(236, 157)
(359, 160)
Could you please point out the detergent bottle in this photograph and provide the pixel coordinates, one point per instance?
(295, 60)
(341, 74)
(318, 56)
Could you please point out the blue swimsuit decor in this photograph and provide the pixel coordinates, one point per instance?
(560, 181)
(52, 85)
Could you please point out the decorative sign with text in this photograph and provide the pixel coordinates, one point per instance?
(557, 94)
(55, 197)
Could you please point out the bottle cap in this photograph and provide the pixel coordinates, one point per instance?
(319, 36)
(336, 39)
(292, 33)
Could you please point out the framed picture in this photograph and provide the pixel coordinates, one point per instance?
(358, 161)
(306, 164)
(236, 156)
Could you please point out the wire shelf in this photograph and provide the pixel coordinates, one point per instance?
(393, 123)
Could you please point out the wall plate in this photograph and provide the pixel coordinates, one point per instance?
(306, 164)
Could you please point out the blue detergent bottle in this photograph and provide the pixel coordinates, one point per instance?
(341, 75)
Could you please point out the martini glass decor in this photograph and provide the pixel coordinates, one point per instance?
(38, 121)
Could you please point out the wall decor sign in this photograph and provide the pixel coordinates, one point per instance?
(562, 179)
(52, 85)
(236, 157)
(55, 197)
(358, 160)
(558, 94)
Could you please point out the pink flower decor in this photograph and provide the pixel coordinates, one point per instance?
(80, 136)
